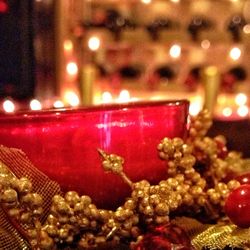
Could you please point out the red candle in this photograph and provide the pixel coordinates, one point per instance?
(63, 144)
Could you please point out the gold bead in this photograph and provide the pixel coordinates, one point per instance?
(233, 184)
(63, 233)
(161, 219)
(26, 217)
(14, 212)
(162, 209)
(63, 219)
(72, 198)
(8, 196)
(148, 210)
(51, 219)
(215, 198)
(24, 185)
(37, 200)
(63, 207)
(84, 222)
(51, 230)
(130, 204)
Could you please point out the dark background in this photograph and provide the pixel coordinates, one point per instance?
(16, 49)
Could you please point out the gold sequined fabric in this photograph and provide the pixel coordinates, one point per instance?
(214, 237)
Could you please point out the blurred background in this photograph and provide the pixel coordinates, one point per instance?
(71, 53)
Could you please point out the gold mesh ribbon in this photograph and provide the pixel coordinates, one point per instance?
(214, 237)
(18, 163)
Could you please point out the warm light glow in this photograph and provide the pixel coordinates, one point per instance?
(175, 1)
(124, 96)
(72, 99)
(242, 111)
(241, 99)
(175, 51)
(106, 97)
(35, 105)
(246, 29)
(227, 111)
(8, 106)
(205, 44)
(94, 43)
(194, 108)
(235, 53)
(58, 104)
(146, 1)
(68, 45)
(221, 100)
(72, 68)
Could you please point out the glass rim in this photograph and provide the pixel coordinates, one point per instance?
(22, 114)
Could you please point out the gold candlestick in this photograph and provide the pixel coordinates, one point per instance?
(211, 81)
(87, 79)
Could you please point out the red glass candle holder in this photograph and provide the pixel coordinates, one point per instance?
(63, 144)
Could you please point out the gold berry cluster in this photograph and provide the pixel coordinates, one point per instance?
(197, 170)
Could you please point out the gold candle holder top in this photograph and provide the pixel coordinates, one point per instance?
(211, 81)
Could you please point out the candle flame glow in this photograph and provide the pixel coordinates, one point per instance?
(8, 106)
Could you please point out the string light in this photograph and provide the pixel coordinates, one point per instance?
(246, 29)
(175, 51)
(58, 104)
(94, 43)
(205, 44)
(72, 99)
(72, 68)
(146, 1)
(35, 105)
(106, 97)
(8, 106)
(240, 99)
(227, 111)
(235, 53)
(242, 111)
(124, 96)
(68, 45)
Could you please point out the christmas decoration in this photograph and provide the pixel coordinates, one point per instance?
(184, 211)
(237, 206)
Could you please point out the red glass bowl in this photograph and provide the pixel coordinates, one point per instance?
(63, 143)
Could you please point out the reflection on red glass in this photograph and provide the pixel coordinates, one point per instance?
(63, 144)
(4, 8)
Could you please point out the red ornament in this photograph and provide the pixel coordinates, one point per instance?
(165, 237)
(244, 178)
(237, 206)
